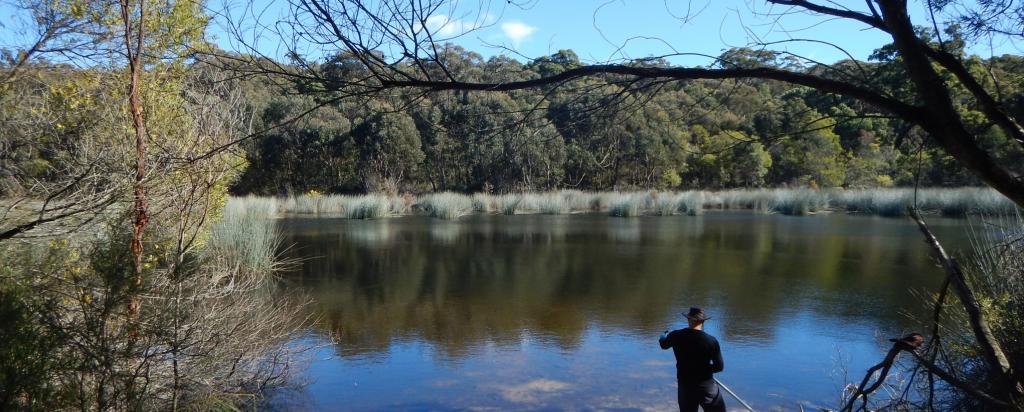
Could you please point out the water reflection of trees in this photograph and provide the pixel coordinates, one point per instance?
(497, 279)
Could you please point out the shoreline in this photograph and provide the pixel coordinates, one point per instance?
(947, 202)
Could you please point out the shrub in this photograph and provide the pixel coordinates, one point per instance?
(995, 270)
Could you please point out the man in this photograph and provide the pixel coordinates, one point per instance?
(698, 358)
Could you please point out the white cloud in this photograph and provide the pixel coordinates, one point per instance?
(517, 32)
(533, 391)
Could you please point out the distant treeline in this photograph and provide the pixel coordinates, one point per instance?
(603, 134)
(599, 133)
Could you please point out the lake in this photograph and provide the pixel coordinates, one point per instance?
(563, 312)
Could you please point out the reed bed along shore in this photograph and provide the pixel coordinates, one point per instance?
(447, 205)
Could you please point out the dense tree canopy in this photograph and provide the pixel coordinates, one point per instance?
(605, 133)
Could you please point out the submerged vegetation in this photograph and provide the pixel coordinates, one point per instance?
(448, 205)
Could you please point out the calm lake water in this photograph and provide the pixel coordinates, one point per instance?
(563, 312)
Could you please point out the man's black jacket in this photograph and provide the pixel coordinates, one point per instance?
(698, 355)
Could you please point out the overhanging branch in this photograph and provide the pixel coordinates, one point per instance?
(886, 103)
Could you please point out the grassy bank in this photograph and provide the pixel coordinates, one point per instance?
(882, 202)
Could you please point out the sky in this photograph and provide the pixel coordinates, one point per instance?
(614, 30)
(604, 30)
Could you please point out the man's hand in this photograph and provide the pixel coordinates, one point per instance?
(663, 340)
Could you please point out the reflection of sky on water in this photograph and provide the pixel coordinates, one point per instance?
(562, 312)
(607, 370)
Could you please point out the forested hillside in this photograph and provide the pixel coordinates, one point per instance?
(601, 134)
(591, 133)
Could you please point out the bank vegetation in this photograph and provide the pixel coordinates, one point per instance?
(958, 202)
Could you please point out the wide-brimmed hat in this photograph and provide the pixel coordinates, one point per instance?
(697, 314)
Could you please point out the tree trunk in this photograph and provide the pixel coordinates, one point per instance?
(942, 121)
(134, 53)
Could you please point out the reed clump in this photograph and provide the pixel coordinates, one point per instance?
(372, 206)
(508, 204)
(890, 202)
(447, 205)
(246, 236)
(552, 204)
(692, 203)
(628, 205)
(799, 202)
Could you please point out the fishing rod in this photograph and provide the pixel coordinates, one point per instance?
(734, 395)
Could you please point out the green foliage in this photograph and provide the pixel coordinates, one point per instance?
(812, 155)
(314, 153)
(388, 147)
(994, 270)
(730, 158)
(595, 134)
(870, 166)
(26, 356)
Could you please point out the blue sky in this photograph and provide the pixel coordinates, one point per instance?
(603, 30)
(611, 30)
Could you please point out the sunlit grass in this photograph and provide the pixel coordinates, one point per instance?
(508, 204)
(447, 205)
(799, 202)
(691, 203)
(759, 200)
(882, 202)
(553, 203)
(666, 204)
(484, 203)
(246, 236)
(331, 205)
(627, 205)
(372, 206)
(948, 202)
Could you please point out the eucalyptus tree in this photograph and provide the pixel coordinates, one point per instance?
(389, 149)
